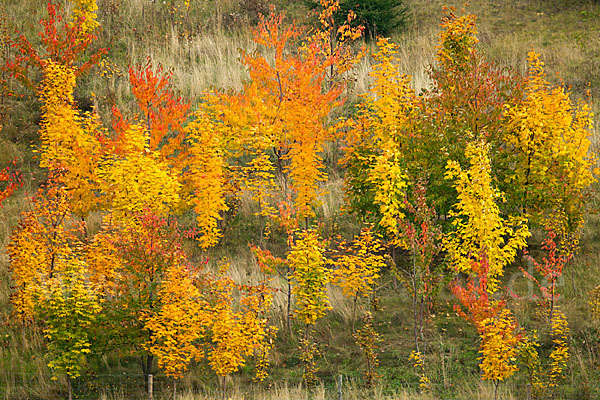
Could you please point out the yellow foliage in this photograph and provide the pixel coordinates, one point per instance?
(499, 346)
(478, 226)
(560, 353)
(386, 124)
(180, 323)
(86, 10)
(41, 246)
(68, 305)
(368, 339)
(458, 38)
(418, 360)
(103, 261)
(551, 137)
(358, 270)
(137, 178)
(260, 181)
(205, 177)
(68, 139)
(310, 275)
(237, 334)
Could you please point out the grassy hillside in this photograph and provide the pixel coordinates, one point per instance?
(202, 49)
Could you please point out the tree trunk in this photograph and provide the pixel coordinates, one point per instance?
(289, 302)
(69, 388)
(223, 387)
(354, 312)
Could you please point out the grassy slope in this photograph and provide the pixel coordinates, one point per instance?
(565, 32)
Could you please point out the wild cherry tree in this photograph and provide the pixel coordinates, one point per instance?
(546, 375)
(64, 42)
(11, 179)
(423, 241)
(495, 324)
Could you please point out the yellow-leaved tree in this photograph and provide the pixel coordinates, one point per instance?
(69, 140)
(358, 267)
(205, 178)
(478, 226)
(310, 276)
(134, 178)
(385, 123)
(69, 304)
(549, 136)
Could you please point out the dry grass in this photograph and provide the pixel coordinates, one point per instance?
(204, 52)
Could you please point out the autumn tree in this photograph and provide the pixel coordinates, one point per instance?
(69, 139)
(134, 178)
(482, 244)
(310, 276)
(145, 248)
(68, 305)
(495, 324)
(368, 340)
(49, 271)
(478, 226)
(358, 266)
(237, 334)
(549, 137)
(545, 375)
(180, 324)
(283, 109)
(384, 123)
(422, 239)
(64, 42)
(41, 246)
(205, 178)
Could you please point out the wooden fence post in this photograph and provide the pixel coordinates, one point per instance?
(150, 387)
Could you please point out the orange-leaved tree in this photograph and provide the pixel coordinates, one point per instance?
(41, 245)
(284, 107)
(64, 42)
(495, 323)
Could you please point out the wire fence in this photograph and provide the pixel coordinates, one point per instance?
(95, 386)
(127, 386)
